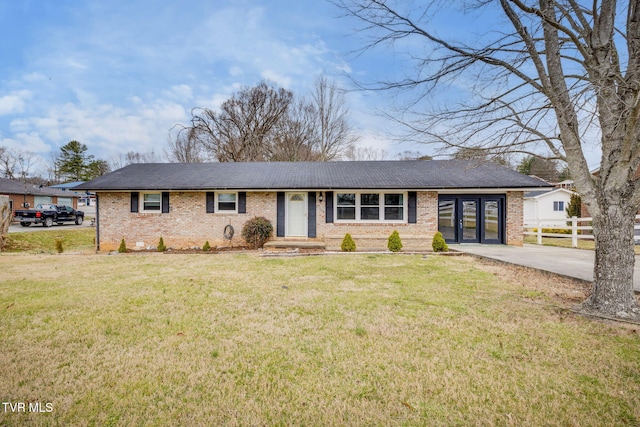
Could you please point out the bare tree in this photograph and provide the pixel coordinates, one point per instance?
(7, 163)
(366, 153)
(185, 147)
(335, 135)
(293, 139)
(16, 164)
(563, 76)
(243, 128)
(5, 220)
(130, 157)
(266, 123)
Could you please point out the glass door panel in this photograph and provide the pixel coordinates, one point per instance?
(470, 221)
(491, 220)
(447, 219)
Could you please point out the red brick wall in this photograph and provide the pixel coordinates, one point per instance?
(187, 225)
(515, 218)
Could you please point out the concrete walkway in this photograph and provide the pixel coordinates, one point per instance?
(577, 263)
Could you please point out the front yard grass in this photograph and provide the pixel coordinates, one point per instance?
(235, 339)
(44, 241)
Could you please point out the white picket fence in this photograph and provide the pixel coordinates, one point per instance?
(580, 229)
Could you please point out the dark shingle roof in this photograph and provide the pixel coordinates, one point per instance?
(10, 186)
(413, 174)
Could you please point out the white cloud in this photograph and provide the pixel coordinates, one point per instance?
(26, 142)
(274, 76)
(14, 103)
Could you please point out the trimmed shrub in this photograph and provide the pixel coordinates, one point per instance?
(348, 245)
(123, 247)
(438, 244)
(161, 246)
(207, 246)
(257, 231)
(394, 244)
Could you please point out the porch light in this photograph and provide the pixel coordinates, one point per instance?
(320, 196)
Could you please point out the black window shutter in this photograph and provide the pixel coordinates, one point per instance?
(165, 202)
(311, 217)
(242, 202)
(280, 215)
(134, 201)
(211, 202)
(328, 198)
(413, 207)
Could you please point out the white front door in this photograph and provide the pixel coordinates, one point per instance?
(296, 215)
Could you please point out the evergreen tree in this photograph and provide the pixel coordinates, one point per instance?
(74, 164)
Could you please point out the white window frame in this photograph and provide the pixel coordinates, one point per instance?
(559, 205)
(217, 202)
(381, 207)
(143, 205)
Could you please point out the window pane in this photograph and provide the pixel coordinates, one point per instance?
(393, 213)
(227, 197)
(346, 199)
(226, 206)
(370, 213)
(370, 199)
(393, 199)
(346, 213)
(151, 202)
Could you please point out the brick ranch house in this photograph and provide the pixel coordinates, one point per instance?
(188, 204)
(23, 195)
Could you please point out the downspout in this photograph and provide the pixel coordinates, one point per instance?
(97, 222)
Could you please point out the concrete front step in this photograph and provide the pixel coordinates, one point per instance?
(294, 244)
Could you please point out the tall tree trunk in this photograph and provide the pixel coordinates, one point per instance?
(613, 292)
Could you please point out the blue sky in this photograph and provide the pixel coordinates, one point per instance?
(117, 75)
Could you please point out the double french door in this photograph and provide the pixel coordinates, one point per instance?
(472, 218)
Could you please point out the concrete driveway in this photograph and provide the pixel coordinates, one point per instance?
(15, 227)
(576, 263)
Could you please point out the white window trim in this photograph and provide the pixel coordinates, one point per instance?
(216, 208)
(381, 206)
(141, 202)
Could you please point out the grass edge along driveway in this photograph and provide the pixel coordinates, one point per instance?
(235, 339)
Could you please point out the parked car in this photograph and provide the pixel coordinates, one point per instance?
(47, 215)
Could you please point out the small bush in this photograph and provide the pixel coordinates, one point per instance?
(394, 244)
(348, 245)
(59, 246)
(207, 246)
(438, 244)
(257, 231)
(161, 246)
(123, 247)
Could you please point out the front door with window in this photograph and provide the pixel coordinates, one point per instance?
(296, 215)
(471, 219)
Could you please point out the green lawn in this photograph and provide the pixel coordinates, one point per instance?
(236, 339)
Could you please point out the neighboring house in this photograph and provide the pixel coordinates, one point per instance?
(84, 197)
(188, 204)
(23, 195)
(548, 205)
